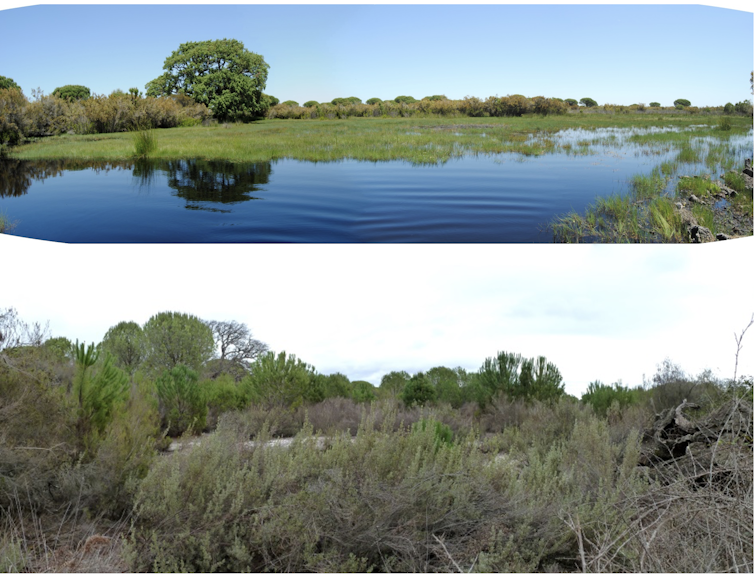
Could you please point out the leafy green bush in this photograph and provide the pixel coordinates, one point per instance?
(125, 342)
(588, 102)
(404, 100)
(311, 104)
(282, 380)
(183, 405)
(373, 101)
(681, 103)
(601, 397)
(729, 108)
(13, 121)
(290, 103)
(517, 377)
(418, 391)
(443, 434)
(744, 108)
(571, 102)
(654, 104)
(362, 391)
(546, 106)
(222, 394)
(72, 92)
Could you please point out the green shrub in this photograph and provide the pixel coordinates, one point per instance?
(290, 103)
(311, 104)
(13, 122)
(72, 92)
(97, 393)
(724, 125)
(546, 106)
(281, 380)
(373, 101)
(362, 391)
(654, 104)
(571, 102)
(442, 433)
(744, 108)
(221, 395)
(681, 103)
(404, 100)
(729, 108)
(588, 102)
(517, 377)
(418, 391)
(183, 405)
(601, 397)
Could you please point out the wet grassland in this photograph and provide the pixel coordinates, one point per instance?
(648, 208)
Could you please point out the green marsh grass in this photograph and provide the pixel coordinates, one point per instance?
(700, 187)
(704, 217)
(371, 139)
(665, 219)
(735, 181)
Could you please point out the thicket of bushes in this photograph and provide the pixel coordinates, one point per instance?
(119, 112)
(528, 480)
(406, 106)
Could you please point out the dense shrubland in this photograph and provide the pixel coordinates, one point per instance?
(444, 470)
(119, 112)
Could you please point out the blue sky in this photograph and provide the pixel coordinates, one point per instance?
(620, 54)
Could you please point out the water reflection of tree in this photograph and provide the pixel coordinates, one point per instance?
(215, 181)
(199, 182)
(16, 176)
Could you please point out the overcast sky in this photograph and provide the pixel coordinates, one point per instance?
(598, 312)
(621, 54)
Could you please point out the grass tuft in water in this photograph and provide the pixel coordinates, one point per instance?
(688, 155)
(700, 187)
(6, 226)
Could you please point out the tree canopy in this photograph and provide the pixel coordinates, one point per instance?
(221, 74)
(7, 83)
(174, 338)
(588, 102)
(73, 92)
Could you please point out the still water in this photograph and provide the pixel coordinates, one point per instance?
(502, 198)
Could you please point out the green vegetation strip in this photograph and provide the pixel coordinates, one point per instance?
(418, 140)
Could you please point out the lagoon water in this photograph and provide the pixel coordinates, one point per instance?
(502, 198)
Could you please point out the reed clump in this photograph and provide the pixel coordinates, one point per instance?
(145, 142)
